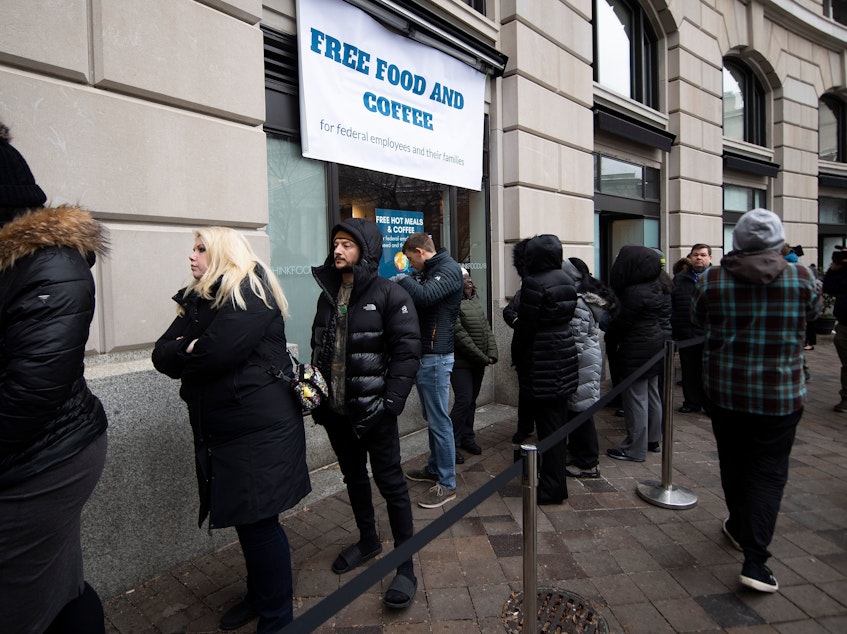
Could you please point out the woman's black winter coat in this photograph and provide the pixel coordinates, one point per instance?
(47, 412)
(544, 352)
(249, 438)
(383, 335)
(642, 325)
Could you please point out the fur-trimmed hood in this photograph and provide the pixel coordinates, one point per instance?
(63, 226)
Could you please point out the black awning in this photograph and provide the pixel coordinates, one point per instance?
(633, 130)
(422, 25)
(749, 165)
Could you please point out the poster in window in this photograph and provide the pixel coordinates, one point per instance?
(396, 226)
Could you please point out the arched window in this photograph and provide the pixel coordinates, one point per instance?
(832, 129)
(743, 104)
(625, 46)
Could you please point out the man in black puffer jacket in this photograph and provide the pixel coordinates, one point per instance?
(544, 354)
(366, 342)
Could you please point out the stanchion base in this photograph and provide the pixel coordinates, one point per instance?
(672, 498)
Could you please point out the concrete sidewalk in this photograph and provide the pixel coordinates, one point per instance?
(645, 568)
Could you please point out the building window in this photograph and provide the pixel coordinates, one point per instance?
(832, 129)
(456, 218)
(298, 231)
(478, 5)
(621, 178)
(832, 211)
(835, 10)
(738, 200)
(625, 50)
(743, 104)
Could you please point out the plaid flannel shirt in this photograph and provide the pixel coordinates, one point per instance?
(753, 355)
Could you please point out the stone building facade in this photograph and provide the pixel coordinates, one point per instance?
(607, 122)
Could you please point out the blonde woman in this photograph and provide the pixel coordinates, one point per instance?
(250, 450)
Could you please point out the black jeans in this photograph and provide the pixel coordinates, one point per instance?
(526, 415)
(381, 444)
(753, 451)
(466, 383)
(582, 444)
(269, 585)
(550, 416)
(691, 366)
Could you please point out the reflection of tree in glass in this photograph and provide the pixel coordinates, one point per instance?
(296, 197)
(367, 190)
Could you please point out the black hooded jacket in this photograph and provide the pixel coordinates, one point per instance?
(383, 336)
(642, 324)
(47, 412)
(543, 349)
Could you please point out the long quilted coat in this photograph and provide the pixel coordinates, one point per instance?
(643, 323)
(546, 353)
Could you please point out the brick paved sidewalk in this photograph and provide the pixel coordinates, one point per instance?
(646, 568)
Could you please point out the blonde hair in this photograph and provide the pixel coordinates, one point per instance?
(231, 259)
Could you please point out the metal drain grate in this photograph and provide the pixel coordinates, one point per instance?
(559, 612)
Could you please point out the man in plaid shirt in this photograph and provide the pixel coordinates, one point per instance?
(753, 309)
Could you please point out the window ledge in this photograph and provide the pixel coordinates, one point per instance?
(832, 167)
(616, 101)
(748, 149)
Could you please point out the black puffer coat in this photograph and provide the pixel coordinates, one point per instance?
(546, 352)
(249, 438)
(683, 288)
(383, 336)
(47, 412)
(642, 324)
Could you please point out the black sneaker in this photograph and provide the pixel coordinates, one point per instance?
(460, 459)
(471, 447)
(758, 577)
(655, 447)
(238, 615)
(579, 472)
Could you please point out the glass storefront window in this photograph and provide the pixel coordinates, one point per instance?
(472, 234)
(738, 200)
(362, 192)
(742, 199)
(620, 178)
(298, 232)
(832, 211)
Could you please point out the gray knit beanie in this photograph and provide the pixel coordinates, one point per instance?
(758, 230)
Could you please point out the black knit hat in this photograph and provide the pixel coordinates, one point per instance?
(18, 189)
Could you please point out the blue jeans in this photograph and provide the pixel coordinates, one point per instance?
(433, 380)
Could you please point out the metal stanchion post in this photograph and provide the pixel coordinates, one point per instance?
(665, 493)
(530, 529)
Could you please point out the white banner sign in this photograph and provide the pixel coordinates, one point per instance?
(373, 99)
